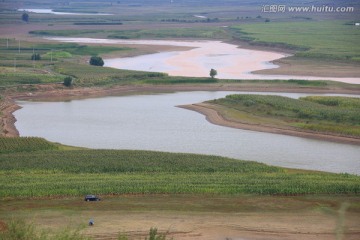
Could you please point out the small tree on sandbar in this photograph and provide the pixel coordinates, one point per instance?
(213, 73)
(25, 17)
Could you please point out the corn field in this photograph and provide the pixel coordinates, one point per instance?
(50, 172)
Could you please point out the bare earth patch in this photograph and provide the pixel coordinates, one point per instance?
(196, 217)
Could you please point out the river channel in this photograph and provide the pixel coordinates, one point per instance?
(153, 122)
(230, 61)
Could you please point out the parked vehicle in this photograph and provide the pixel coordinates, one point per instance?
(91, 198)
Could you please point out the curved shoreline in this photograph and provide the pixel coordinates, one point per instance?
(214, 117)
(8, 106)
(7, 119)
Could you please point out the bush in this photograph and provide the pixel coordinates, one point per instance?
(96, 61)
(213, 73)
(25, 17)
(67, 81)
(36, 57)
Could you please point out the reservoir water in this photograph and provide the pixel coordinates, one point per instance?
(153, 122)
(50, 11)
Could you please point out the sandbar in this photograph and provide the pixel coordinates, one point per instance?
(213, 116)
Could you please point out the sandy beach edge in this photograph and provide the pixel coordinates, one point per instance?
(214, 117)
(56, 93)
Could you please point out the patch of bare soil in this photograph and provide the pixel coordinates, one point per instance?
(3, 226)
(220, 226)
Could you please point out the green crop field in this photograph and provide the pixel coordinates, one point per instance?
(339, 115)
(50, 172)
(195, 32)
(315, 39)
(24, 144)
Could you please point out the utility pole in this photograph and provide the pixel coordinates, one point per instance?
(19, 45)
(15, 64)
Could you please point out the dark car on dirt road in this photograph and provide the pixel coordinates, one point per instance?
(91, 198)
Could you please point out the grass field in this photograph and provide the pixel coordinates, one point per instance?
(336, 115)
(313, 39)
(183, 33)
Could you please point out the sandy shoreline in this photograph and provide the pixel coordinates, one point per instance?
(7, 119)
(9, 105)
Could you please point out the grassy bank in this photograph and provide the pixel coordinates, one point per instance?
(332, 115)
(190, 33)
(313, 39)
(48, 173)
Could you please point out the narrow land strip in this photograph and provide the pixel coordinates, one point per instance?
(213, 116)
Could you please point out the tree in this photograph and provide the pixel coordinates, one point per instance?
(67, 81)
(96, 61)
(25, 17)
(36, 57)
(213, 73)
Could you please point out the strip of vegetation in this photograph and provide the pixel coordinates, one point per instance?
(78, 172)
(18, 229)
(16, 78)
(97, 23)
(76, 49)
(199, 32)
(321, 114)
(87, 75)
(25, 144)
(180, 80)
(63, 33)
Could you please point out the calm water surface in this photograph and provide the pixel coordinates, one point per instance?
(153, 122)
(50, 11)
